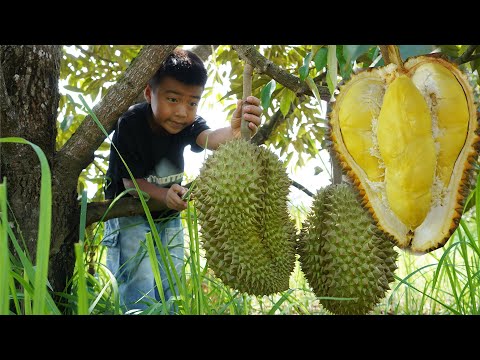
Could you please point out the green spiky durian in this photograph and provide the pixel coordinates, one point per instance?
(343, 254)
(241, 200)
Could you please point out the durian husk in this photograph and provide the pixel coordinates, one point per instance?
(443, 213)
(343, 254)
(247, 233)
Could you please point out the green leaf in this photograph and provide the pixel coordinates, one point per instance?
(288, 158)
(331, 88)
(67, 121)
(72, 88)
(318, 170)
(320, 58)
(475, 64)
(450, 50)
(315, 49)
(267, 92)
(352, 52)
(104, 147)
(344, 66)
(314, 88)
(286, 100)
(304, 69)
(332, 69)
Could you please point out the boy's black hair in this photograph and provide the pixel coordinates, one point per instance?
(182, 65)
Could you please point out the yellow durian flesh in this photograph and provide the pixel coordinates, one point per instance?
(406, 147)
(357, 124)
(450, 113)
(425, 139)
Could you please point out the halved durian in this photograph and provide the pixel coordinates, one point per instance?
(407, 137)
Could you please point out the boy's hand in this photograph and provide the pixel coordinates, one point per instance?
(174, 197)
(251, 113)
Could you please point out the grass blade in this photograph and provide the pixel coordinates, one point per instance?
(4, 257)
(44, 227)
(276, 306)
(156, 269)
(81, 282)
(30, 271)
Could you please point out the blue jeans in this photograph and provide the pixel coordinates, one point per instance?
(128, 260)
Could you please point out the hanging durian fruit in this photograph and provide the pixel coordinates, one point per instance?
(241, 199)
(343, 254)
(406, 134)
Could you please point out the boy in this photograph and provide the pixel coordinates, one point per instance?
(151, 137)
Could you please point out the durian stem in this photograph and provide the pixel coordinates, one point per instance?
(247, 91)
(337, 174)
(391, 54)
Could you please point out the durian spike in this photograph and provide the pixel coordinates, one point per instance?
(247, 91)
(391, 54)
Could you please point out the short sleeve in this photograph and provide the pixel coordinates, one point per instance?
(128, 144)
(198, 126)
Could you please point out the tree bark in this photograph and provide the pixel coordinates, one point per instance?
(29, 97)
(30, 75)
(263, 65)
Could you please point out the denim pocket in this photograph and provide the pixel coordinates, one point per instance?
(111, 232)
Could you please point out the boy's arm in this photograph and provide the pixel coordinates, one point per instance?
(168, 197)
(252, 111)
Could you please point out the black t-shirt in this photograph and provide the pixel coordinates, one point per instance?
(157, 158)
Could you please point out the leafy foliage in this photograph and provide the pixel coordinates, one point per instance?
(91, 70)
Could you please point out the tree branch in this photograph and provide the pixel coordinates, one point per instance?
(267, 128)
(262, 64)
(302, 188)
(132, 206)
(467, 55)
(78, 151)
(391, 54)
(123, 207)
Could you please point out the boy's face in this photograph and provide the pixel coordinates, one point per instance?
(174, 104)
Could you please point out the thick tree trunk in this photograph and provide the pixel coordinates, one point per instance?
(29, 97)
(29, 102)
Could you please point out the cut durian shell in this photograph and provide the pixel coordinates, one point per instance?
(407, 137)
(247, 233)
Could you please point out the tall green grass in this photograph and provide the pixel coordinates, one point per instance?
(4, 258)
(42, 302)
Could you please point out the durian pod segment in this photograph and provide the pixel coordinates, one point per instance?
(343, 254)
(408, 138)
(241, 201)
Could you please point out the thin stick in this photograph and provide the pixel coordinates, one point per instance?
(391, 54)
(247, 91)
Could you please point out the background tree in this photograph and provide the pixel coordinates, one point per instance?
(290, 80)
